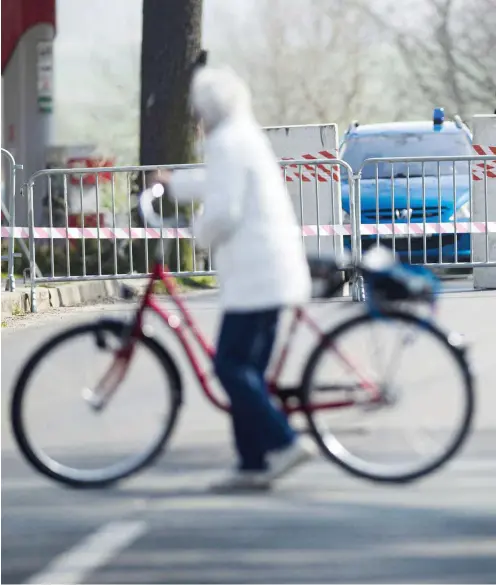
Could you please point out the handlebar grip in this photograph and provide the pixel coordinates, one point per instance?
(153, 219)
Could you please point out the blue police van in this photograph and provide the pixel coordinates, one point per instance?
(429, 192)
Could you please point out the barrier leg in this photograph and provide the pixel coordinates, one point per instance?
(11, 277)
(32, 249)
(484, 201)
(358, 289)
(10, 284)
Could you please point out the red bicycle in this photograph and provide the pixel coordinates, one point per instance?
(340, 394)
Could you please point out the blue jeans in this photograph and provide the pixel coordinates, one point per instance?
(244, 348)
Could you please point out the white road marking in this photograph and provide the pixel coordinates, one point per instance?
(75, 564)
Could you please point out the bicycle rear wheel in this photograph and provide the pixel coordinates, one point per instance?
(409, 391)
(66, 433)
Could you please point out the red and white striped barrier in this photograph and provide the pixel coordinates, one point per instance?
(310, 171)
(489, 166)
(398, 229)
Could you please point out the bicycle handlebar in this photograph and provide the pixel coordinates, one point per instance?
(153, 219)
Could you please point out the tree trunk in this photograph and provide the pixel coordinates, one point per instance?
(170, 45)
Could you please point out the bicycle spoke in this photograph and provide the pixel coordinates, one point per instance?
(351, 366)
(374, 339)
(395, 359)
(421, 441)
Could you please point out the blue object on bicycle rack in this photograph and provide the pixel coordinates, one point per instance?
(399, 282)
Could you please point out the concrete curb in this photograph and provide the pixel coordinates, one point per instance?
(14, 303)
(67, 295)
(71, 295)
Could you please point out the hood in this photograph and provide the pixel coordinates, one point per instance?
(218, 95)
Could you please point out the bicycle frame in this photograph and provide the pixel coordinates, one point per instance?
(185, 324)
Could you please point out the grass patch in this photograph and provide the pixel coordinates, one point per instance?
(54, 284)
(17, 311)
(189, 283)
(5, 275)
(203, 282)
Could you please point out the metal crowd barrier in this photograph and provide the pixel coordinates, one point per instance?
(8, 211)
(111, 243)
(424, 209)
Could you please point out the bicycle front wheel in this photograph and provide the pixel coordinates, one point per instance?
(58, 418)
(407, 390)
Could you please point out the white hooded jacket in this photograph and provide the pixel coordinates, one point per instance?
(247, 216)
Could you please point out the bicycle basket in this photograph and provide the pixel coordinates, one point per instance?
(393, 281)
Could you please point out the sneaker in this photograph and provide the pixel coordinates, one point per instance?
(284, 460)
(242, 481)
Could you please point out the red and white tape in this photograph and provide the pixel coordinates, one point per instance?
(310, 171)
(489, 166)
(404, 230)
(104, 233)
(398, 229)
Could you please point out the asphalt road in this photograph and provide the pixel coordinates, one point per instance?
(318, 526)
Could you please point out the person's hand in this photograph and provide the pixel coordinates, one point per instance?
(162, 176)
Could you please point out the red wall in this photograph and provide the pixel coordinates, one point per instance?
(20, 15)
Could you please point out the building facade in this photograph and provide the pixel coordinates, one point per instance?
(28, 30)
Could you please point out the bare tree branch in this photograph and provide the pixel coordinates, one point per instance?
(450, 58)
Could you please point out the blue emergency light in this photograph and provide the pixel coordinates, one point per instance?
(438, 118)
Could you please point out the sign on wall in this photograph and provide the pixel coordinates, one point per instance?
(45, 75)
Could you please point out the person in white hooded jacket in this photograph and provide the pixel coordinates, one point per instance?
(248, 220)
